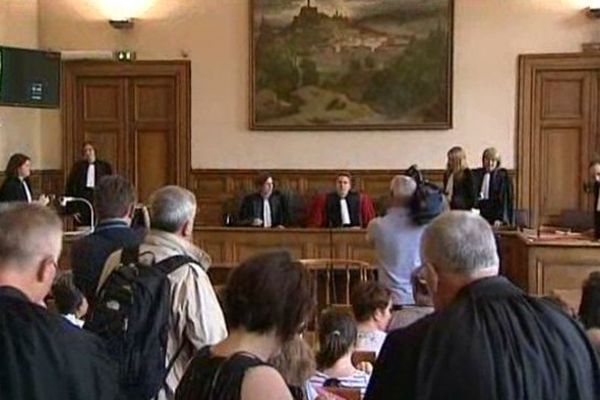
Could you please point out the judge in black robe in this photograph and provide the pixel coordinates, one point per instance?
(77, 183)
(252, 211)
(495, 192)
(488, 341)
(595, 186)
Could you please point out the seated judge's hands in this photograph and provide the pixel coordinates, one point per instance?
(43, 200)
(498, 223)
(257, 222)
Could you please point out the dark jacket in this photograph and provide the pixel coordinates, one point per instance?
(76, 186)
(596, 212)
(463, 192)
(42, 357)
(333, 209)
(493, 342)
(252, 207)
(499, 206)
(89, 254)
(12, 189)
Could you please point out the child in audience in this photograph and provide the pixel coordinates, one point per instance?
(337, 342)
(69, 300)
(372, 305)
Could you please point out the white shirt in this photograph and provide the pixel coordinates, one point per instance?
(267, 223)
(344, 212)
(74, 320)
(370, 341)
(27, 192)
(90, 180)
(484, 193)
(450, 187)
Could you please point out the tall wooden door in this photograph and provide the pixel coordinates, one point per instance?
(557, 133)
(136, 114)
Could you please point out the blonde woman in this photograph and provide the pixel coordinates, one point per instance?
(458, 181)
(494, 189)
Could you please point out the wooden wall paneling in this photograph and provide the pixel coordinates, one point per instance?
(557, 124)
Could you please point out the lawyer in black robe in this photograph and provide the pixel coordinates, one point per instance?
(493, 342)
(77, 183)
(498, 206)
(43, 356)
(253, 208)
(12, 189)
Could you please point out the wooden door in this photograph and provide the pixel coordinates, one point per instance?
(557, 133)
(137, 115)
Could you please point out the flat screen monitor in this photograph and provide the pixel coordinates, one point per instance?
(29, 78)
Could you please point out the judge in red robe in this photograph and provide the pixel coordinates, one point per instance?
(342, 208)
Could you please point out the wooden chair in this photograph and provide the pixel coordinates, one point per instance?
(344, 393)
(363, 356)
(326, 267)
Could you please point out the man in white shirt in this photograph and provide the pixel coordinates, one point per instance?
(82, 181)
(266, 208)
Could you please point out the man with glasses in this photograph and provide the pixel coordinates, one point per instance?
(41, 357)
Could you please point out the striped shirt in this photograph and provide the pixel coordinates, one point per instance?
(358, 380)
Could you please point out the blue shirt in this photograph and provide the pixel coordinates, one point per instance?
(397, 241)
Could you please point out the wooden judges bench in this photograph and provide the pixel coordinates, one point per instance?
(538, 265)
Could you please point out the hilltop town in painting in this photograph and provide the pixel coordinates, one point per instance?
(351, 64)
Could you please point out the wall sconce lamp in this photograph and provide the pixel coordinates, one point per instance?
(121, 23)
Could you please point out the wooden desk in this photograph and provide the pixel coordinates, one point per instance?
(539, 266)
(545, 264)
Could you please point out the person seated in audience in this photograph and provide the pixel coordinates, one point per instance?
(41, 357)
(487, 339)
(83, 181)
(423, 304)
(342, 208)
(371, 305)
(494, 190)
(114, 200)
(267, 303)
(589, 308)
(458, 181)
(197, 318)
(267, 208)
(16, 185)
(337, 342)
(69, 300)
(296, 364)
(396, 238)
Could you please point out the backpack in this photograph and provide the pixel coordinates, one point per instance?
(427, 203)
(131, 314)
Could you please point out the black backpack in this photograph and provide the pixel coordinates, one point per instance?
(427, 203)
(132, 315)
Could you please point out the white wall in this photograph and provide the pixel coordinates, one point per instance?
(19, 127)
(489, 34)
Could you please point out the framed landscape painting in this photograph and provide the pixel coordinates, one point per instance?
(351, 64)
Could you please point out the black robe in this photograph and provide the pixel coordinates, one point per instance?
(499, 205)
(252, 207)
(463, 191)
(12, 189)
(492, 343)
(43, 356)
(76, 186)
(333, 210)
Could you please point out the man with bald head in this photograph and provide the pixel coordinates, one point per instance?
(487, 339)
(41, 357)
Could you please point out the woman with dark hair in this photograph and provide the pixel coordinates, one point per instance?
(16, 185)
(494, 189)
(458, 180)
(589, 309)
(337, 341)
(267, 301)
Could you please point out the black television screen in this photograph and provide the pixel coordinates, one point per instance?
(29, 77)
